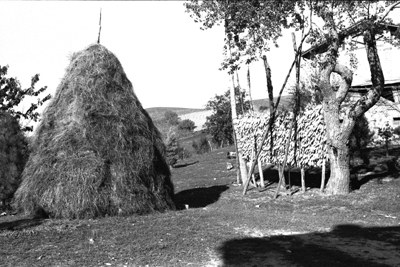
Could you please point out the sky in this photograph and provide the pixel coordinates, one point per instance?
(170, 61)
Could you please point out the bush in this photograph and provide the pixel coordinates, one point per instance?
(202, 146)
(397, 130)
(386, 133)
(172, 148)
(186, 125)
(360, 137)
(183, 153)
(13, 156)
(171, 118)
(219, 123)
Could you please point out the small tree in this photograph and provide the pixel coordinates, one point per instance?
(171, 118)
(360, 137)
(13, 156)
(11, 95)
(172, 150)
(219, 124)
(396, 131)
(202, 146)
(386, 134)
(186, 125)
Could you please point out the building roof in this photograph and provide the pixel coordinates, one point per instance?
(390, 60)
(388, 55)
(353, 30)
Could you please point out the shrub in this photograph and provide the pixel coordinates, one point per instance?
(172, 148)
(360, 137)
(397, 130)
(13, 156)
(186, 125)
(202, 146)
(386, 134)
(219, 123)
(183, 153)
(171, 118)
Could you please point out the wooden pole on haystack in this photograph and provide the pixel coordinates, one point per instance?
(98, 37)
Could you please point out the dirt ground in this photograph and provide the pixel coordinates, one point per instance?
(221, 227)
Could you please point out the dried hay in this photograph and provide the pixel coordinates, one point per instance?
(96, 151)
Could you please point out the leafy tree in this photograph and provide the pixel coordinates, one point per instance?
(172, 148)
(171, 118)
(251, 25)
(187, 125)
(360, 137)
(219, 123)
(340, 20)
(202, 146)
(397, 130)
(386, 134)
(11, 95)
(13, 155)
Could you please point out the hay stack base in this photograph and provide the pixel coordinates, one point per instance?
(96, 151)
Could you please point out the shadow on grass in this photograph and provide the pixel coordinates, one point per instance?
(182, 165)
(199, 197)
(20, 224)
(312, 176)
(343, 246)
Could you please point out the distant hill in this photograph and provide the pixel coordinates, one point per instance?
(157, 113)
(199, 115)
(285, 102)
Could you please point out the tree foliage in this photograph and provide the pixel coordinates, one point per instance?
(201, 146)
(171, 118)
(386, 133)
(251, 26)
(341, 22)
(12, 95)
(219, 123)
(186, 125)
(360, 138)
(172, 148)
(13, 155)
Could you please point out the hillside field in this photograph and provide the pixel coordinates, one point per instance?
(221, 227)
(157, 113)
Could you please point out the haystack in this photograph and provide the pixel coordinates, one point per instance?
(96, 151)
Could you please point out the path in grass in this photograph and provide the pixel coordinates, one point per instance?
(221, 227)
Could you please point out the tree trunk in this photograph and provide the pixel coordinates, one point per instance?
(303, 182)
(338, 133)
(339, 180)
(242, 162)
(323, 173)
(249, 85)
(272, 107)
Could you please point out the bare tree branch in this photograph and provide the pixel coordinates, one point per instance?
(346, 78)
(388, 10)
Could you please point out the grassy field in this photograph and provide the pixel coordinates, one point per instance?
(157, 113)
(223, 228)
